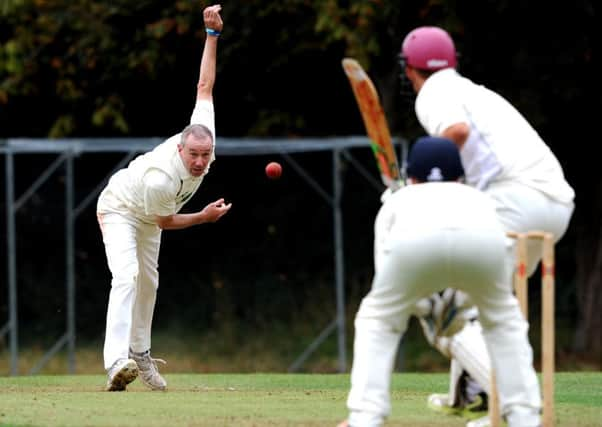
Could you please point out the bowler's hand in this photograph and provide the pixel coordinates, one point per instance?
(212, 18)
(215, 210)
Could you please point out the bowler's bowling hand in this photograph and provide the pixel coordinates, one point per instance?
(215, 210)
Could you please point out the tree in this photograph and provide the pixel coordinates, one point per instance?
(74, 65)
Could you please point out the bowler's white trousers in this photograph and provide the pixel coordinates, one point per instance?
(412, 263)
(132, 250)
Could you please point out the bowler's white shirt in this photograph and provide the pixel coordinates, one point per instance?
(157, 183)
(502, 145)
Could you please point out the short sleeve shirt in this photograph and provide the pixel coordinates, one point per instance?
(502, 145)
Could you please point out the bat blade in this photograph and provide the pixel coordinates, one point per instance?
(375, 122)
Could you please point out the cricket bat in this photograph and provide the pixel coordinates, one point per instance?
(375, 122)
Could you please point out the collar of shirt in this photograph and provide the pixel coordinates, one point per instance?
(180, 168)
(446, 73)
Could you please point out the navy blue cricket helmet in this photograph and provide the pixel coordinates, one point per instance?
(434, 159)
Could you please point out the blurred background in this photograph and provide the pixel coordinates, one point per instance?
(252, 291)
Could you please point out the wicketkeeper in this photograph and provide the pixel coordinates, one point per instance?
(432, 235)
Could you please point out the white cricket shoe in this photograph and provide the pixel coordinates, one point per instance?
(149, 374)
(123, 372)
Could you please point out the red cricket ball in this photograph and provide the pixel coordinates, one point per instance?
(273, 170)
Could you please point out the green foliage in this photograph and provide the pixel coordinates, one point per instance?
(8, 6)
(356, 23)
(90, 67)
(77, 58)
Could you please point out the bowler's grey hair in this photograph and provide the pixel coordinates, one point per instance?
(196, 130)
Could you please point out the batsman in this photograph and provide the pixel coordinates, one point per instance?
(504, 157)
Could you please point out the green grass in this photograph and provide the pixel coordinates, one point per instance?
(247, 400)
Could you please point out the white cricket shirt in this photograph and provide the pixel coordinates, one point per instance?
(432, 206)
(157, 183)
(436, 206)
(502, 145)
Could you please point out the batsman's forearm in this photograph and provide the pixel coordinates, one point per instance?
(207, 69)
(458, 133)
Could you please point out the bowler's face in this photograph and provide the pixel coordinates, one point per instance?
(196, 154)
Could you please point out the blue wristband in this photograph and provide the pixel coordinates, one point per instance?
(212, 32)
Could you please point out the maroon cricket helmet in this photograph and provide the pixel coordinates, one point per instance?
(428, 48)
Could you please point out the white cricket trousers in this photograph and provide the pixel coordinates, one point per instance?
(132, 250)
(521, 209)
(414, 263)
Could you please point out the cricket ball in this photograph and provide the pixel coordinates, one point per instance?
(273, 170)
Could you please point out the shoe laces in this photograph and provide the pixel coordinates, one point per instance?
(148, 362)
